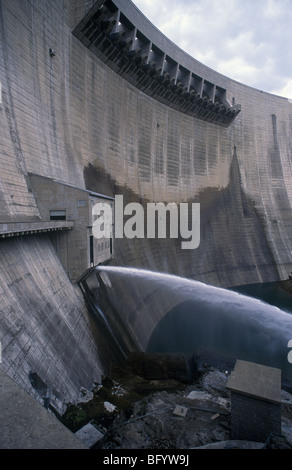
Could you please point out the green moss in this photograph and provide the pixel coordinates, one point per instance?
(74, 417)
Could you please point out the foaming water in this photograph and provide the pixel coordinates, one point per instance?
(169, 313)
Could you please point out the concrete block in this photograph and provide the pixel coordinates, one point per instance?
(180, 411)
(255, 401)
(89, 435)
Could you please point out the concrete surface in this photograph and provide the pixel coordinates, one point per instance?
(25, 424)
(256, 380)
(45, 328)
(71, 118)
(89, 435)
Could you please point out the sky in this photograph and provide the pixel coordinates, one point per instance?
(247, 40)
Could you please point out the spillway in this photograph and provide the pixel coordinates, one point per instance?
(171, 314)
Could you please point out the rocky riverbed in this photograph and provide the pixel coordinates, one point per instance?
(128, 411)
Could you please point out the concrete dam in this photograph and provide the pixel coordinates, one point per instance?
(96, 104)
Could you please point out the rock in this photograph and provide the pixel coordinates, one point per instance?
(287, 432)
(286, 397)
(278, 442)
(150, 420)
(84, 395)
(199, 395)
(117, 389)
(222, 402)
(155, 424)
(109, 406)
(215, 381)
(206, 396)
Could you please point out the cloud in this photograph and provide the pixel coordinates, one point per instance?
(248, 41)
(285, 89)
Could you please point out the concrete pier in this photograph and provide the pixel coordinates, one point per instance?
(25, 424)
(255, 401)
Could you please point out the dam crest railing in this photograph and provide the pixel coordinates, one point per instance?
(112, 37)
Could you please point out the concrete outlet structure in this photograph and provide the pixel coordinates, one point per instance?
(255, 401)
(77, 249)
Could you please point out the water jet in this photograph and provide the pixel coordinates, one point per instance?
(163, 313)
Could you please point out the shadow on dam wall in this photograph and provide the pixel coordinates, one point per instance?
(233, 246)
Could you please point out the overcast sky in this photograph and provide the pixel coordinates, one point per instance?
(247, 40)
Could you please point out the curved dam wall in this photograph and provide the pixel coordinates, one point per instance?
(74, 116)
